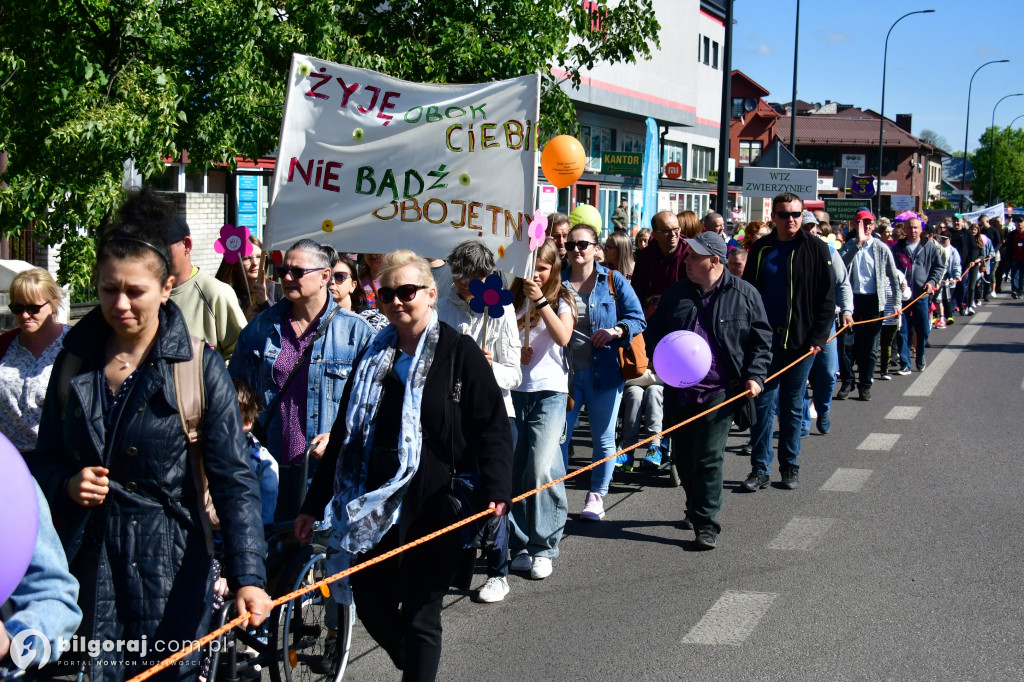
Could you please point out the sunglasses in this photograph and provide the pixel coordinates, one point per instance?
(30, 308)
(297, 272)
(340, 277)
(405, 293)
(579, 246)
(795, 215)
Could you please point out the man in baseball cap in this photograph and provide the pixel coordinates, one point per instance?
(740, 339)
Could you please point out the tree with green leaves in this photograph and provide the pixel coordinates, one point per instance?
(1006, 177)
(87, 85)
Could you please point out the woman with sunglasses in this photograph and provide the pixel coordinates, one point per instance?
(27, 354)
(297, 356)
(116, 467)
(422, 404)
(252, 284)
(604, 324)
(347, 293)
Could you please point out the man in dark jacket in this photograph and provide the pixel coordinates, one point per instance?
(727, 313)
(921, 263)
(793, 272)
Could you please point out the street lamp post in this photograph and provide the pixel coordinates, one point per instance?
(967, 127)
(881, 114)
(992, 141)
(792, 110)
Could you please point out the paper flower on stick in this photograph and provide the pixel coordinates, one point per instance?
(489, 295)
(233, 242)
(904, 217)
(537, 229)
(277, 257)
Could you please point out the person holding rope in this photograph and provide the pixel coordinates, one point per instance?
(119, 473)
(422, 434)
(727, 313)
(793, 272)
(921, 263)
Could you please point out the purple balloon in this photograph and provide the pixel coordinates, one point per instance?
(682, 359)
(19, 507)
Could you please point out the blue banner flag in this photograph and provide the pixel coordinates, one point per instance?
(650, 174)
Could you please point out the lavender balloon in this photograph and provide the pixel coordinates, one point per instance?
(19, 508)
(682, 359)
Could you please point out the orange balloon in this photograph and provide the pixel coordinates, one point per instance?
(563, 160)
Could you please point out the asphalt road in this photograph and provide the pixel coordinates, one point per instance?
(902, 562)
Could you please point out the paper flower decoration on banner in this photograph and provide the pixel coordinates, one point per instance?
(904, 217)
(233, 242)
(537, 229)
(489, 295)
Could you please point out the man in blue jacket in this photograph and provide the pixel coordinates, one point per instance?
(727, 313)
(793, 272)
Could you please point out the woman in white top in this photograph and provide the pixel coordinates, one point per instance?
(27, 354)
(539, 402)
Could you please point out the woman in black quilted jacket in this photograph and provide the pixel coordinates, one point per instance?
(113, 461)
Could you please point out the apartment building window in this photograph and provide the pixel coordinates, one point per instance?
(703, 161)
(595, 140)
(750, 150)
(707, 51)
(633, 142)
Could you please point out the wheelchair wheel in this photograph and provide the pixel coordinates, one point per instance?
(306, 650)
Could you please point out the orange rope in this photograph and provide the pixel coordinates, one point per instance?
(194, 646)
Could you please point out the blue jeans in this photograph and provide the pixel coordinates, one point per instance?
(784, 394)
(1017, 277)
(651, 399)
(823, 382)
(497, 556)
(538, 521)
(603, 407)
(915, 317)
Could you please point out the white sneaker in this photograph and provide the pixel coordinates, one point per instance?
(494, 590)
(811, 412)
(541, 568)
(593, 510)
(522, 563)
(994, 294)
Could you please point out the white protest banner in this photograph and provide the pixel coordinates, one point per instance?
(369, 164)
(994, 211)
(768, 182)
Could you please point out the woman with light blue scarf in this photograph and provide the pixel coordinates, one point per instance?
(421, 408)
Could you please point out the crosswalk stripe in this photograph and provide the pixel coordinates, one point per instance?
(879, 441)
(801, 533)
(731, 619)
(847, 480)
(903, 412)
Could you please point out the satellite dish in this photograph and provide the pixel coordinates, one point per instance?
(749, 104)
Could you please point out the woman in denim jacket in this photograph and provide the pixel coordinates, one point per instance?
(273, 344)
(604, 324)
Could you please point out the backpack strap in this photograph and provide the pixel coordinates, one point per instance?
(190, 393)
(68, 369)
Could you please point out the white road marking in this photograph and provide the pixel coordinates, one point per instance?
(847, 480)
(903, 412)
(879, 441)
(929, 379)
(731, 619)
(801, 533)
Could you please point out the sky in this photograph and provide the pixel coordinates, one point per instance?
(931, 58)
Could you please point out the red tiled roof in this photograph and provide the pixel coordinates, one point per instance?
(831, 131)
